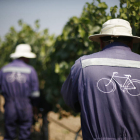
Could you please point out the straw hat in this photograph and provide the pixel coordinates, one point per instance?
(23, 50)
(115, 28)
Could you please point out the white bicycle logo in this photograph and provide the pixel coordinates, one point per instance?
(106, 85)
(16, 76)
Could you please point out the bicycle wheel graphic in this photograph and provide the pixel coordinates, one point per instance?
(10, 78)
(106, 86)
(135, 91)
(21, 78)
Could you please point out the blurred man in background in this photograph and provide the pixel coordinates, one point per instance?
(105, 86)
(19, 86)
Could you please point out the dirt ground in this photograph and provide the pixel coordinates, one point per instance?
(59, 129)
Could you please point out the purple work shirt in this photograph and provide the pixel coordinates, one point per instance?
(19, 81)
(105, 88)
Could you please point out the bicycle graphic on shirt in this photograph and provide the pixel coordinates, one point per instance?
(16, 76)
(130, 86)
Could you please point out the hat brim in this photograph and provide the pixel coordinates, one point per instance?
(96, 37)
(26, 55)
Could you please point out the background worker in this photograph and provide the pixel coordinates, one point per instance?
(105, 86)
(19, 86)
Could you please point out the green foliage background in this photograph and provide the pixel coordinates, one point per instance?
(56, 54)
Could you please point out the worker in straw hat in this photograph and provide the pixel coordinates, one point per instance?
(105, 86)
(19, 85)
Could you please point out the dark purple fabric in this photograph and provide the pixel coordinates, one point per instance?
(17, 87)
(108, 111)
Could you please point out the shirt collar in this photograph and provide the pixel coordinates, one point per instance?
(18, 61)
(117, 45)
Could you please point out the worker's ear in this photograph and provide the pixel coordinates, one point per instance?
(101, 44)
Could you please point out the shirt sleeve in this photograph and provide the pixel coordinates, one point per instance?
(34, 84)
(71, 88)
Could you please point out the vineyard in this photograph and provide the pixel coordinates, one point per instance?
(56, 54)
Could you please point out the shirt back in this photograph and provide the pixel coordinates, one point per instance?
(107, 86)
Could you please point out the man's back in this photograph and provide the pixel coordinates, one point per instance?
(19, 86)
(18, 79)
(107, 84)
